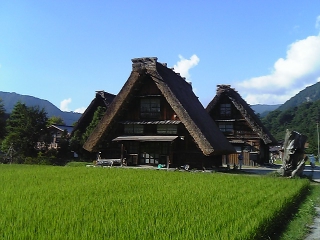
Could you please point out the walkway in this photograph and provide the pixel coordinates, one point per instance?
(315, 173)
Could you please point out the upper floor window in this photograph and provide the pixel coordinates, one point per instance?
(225, 109)
(167, 129)
(226, 127)
(150, 108)
(133, 128)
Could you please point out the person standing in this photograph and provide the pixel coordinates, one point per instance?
(312, 161)
(240, 159)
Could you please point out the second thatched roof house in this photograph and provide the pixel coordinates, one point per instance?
(88, 121)
(102, 99)
(156, 118)
(240, 125)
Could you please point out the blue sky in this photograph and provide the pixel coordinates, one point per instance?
(63, 51)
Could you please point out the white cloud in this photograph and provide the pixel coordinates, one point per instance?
(300, 68)
(80, 110)
(318, 23)
(184, 65)
(64, 104)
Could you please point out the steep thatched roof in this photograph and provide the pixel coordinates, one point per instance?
(181, 98)
(245, 110)
(61, 128)
(102, 99)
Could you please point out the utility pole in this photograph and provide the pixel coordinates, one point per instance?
(9, 154)
(318, 138)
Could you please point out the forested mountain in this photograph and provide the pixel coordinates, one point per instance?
(302, 119)
(264, 109)
(309, 94)
(300, 113)
(10, 100)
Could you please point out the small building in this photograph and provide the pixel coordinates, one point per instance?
(241, 126)
(57, 132)
(157, 119)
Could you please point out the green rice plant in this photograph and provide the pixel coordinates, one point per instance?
(78, 164)
(46, 202)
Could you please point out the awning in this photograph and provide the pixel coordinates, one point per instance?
(146, 138)
(237, 141)
(162, 122)
(225, 120)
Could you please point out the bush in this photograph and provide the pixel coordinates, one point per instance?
(30, 160)
(37, 160)
(77, 164)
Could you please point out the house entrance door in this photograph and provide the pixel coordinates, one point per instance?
(153, 153)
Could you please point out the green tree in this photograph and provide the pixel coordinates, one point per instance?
(76, 142)
(55, 120)
(25, 127)
(2, 120)
(79, 138)
(302, 119)
(98, 114)
(64, 145)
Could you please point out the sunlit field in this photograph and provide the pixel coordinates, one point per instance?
(46, 202)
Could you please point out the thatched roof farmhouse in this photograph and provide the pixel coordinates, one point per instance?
(241, 126)
(157, 116)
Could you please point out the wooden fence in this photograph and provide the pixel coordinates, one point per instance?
(249, 159)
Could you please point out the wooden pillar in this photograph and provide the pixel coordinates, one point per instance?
(121, 157)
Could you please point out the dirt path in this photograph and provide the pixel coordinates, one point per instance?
(315, 228)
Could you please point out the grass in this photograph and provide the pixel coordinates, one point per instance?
(46, 202)
(298, 227)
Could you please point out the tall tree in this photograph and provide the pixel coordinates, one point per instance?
(303, 119)
(25, 127)
(55, 120)
(98, 114)
(78, 138)
(2, 120)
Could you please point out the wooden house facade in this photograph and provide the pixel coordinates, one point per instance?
(157, 119)
(241, 126)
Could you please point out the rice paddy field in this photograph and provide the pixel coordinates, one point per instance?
(47, 202)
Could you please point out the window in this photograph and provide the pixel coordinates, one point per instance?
(238, 149)
(133, 129)
(225, 109)
(132, 147)
(150, 108)
(226, 127)
(167, 129)
(154, 152)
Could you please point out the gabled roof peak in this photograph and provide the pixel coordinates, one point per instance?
(150, 63)
(101, 93)
(223, 87)
(144, 63)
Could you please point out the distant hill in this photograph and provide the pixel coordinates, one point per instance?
(309, 94)
(300, 113)
(10, 100)
(264, 109)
